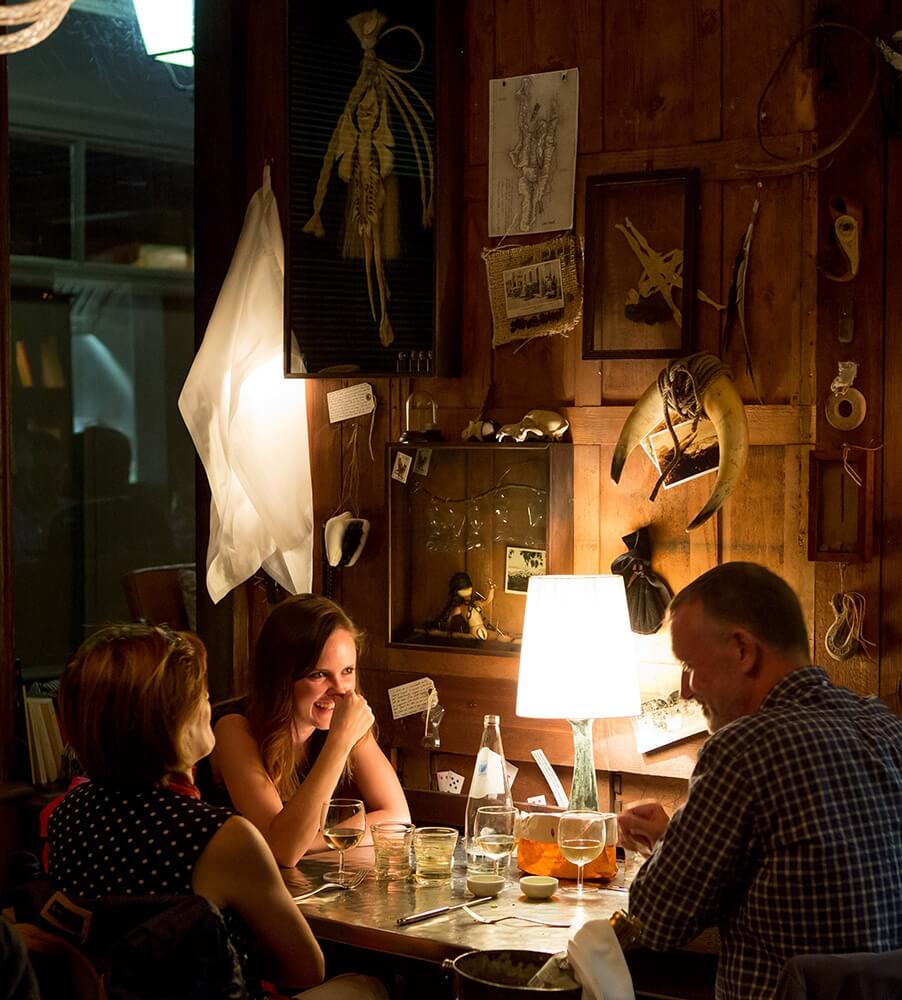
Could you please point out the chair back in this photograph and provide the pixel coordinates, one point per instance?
(59, 967)
(156, 596)
(128, 947)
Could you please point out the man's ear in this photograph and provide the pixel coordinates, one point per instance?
(748, 651)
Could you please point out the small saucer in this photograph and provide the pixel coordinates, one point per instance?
(485, 884)
(538, 886)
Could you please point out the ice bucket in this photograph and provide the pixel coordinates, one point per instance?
(491, 975)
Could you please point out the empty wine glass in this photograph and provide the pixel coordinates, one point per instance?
(343, 824)
(581, 838)
(495, 834)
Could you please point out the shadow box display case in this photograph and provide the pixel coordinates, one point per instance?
(469, 524)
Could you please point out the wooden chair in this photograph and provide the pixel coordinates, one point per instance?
(60, 968)
(155, 595)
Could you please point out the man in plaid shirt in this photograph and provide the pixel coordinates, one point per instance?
(790, 840)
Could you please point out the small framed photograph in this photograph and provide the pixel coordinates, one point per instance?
(666, 717)
(422, 460)
(401, 468)
(536, 288)
(519, 565)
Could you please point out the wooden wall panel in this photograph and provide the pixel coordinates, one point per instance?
(653, 50)
(663, 85)
(480, 40)
(755, 36)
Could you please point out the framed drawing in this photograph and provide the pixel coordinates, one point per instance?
(640, 267)
(374, 123)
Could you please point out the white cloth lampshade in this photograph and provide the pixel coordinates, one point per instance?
(577, 659)
(249, 423)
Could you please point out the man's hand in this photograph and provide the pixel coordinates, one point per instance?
(642, 824)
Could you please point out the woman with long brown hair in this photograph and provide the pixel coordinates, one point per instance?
(303, 731)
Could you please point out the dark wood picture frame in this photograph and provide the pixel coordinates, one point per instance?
(841, 510)
(330, 330)
(635, 225)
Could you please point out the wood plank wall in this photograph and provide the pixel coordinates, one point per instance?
(662, 85)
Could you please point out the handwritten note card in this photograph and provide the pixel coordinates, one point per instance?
(408, 699)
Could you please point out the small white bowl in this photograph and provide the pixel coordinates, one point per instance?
(538, 886)
(485, 884)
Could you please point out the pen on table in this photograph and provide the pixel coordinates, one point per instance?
(415, 918)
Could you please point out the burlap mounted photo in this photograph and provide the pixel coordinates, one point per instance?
(535, 290)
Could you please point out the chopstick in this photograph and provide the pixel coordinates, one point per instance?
(415, 918)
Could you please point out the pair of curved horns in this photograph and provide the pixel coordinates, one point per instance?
(724, 409)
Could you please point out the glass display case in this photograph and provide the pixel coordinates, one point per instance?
(468, 525)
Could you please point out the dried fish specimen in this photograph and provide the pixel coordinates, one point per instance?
(361, 144)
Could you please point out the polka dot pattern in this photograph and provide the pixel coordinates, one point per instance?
(107, 842)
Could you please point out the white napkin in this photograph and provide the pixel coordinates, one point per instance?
(249, 423)
(597, 961)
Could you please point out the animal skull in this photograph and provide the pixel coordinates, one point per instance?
(546, 425)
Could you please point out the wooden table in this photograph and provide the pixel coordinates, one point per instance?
(366, 918)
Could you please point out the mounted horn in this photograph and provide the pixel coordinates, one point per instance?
(700, 383)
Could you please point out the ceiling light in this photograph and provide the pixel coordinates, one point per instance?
(167, 28)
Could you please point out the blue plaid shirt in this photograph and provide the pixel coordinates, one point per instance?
(790, 840)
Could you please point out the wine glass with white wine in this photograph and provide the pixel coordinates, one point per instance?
(495, 834)
(581, 838)
(343, 824)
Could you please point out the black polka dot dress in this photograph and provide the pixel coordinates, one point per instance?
(110, 842)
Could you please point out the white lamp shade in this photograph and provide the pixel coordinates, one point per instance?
(577, 659)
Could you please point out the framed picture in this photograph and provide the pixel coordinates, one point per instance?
(666, 718)
(519, 565)
(534, 288)
(373, 234)
(640, 268)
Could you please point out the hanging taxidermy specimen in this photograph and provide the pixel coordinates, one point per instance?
(362, 143)
(693, 387)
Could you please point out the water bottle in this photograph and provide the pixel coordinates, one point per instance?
(489, 787)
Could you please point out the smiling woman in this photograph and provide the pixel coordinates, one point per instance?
(303, 731)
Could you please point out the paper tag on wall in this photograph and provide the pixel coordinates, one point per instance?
(410, 698)
(449, 781)
(512, 772)
(537, 800)
(354, 401)
(554, 782)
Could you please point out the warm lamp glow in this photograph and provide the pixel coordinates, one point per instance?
(577, 659)
(577, 662)
(167, 28)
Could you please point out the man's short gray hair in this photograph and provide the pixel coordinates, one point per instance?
(748, 595)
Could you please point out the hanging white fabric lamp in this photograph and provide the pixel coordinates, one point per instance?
(249, 423)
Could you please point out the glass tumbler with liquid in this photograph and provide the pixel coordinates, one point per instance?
(434, 847)
(392, 844)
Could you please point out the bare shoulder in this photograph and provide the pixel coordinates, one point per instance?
(236, 838)
(233, 725)
(235, 853)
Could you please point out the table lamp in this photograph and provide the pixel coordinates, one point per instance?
(577, 663)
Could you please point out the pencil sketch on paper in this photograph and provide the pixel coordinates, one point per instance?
(532, 152)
